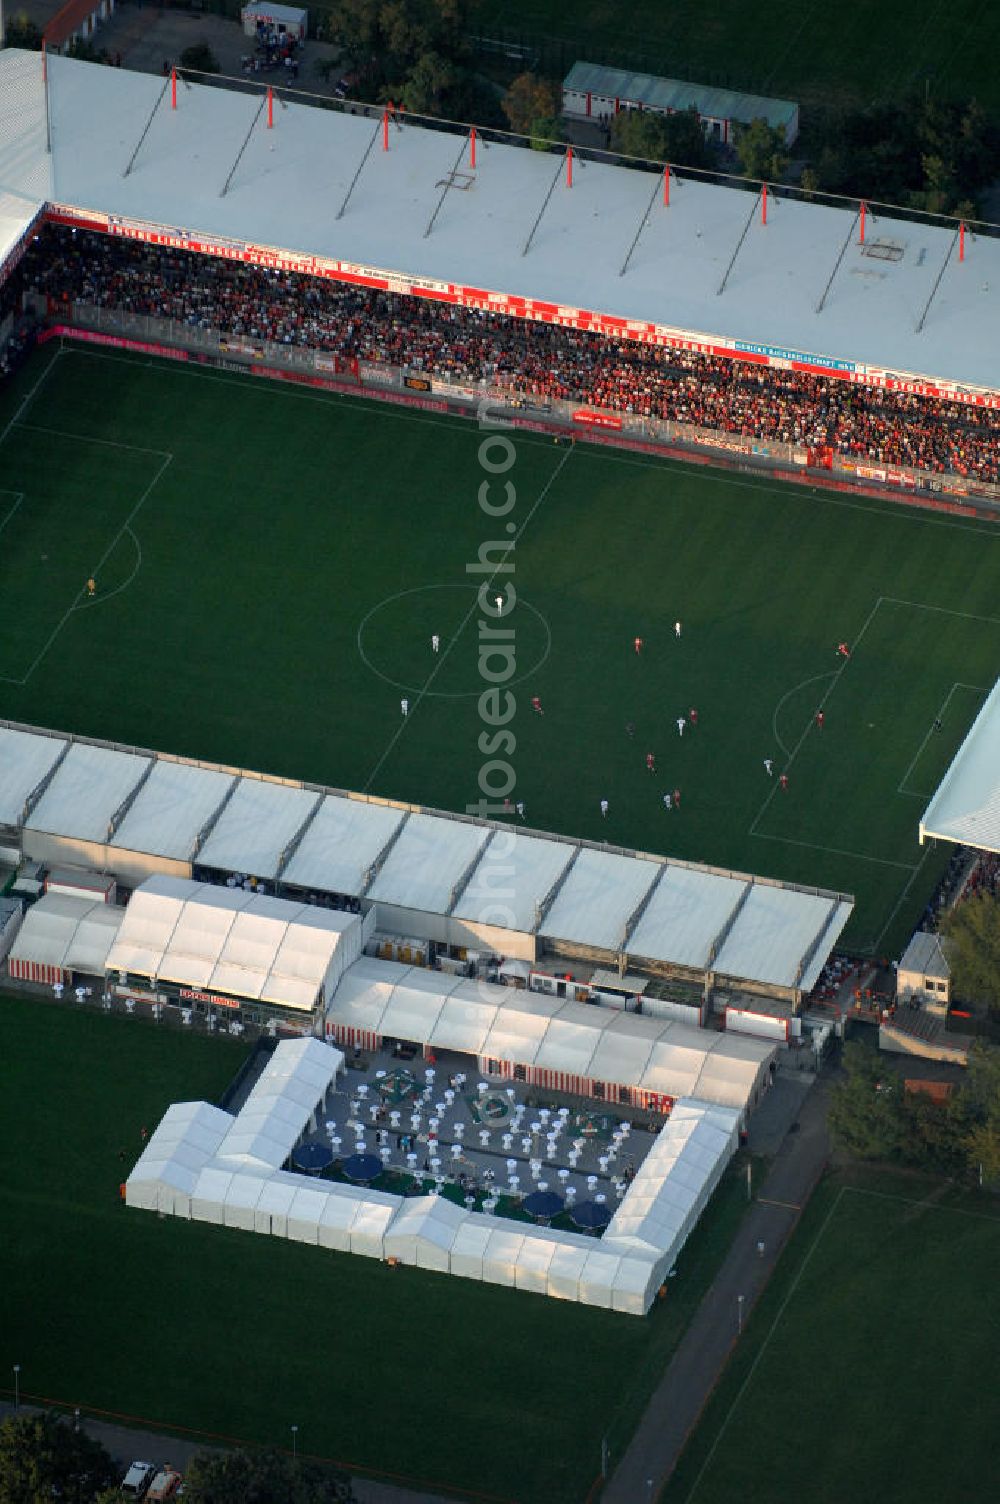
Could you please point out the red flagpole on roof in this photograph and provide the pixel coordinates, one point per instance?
(961, 241)
(666, 186)
(270, 107)
(385, 130)
(472, 149)
(173, 88)
(864, 210)
(569, 167)
(763, 203)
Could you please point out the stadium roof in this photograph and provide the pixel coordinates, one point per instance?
(344, 838)
(256, 826)
(966, 807)
(673, 94)
(89, 787)
(26, 758)
(171, 809)
(319, 186)
(661, 911)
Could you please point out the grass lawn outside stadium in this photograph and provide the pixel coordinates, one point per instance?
(869, 1369)
(271, 564)
(183, 1325)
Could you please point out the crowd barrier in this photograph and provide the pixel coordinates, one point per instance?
(657, 436)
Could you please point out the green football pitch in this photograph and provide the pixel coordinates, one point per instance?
(272, 563)
(179, 1326)
(854, 52)
(869, 1371)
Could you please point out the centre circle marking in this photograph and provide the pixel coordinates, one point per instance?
(449, 694)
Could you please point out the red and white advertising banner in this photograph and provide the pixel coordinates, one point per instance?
(454, 293)
(587, 418)
(190, 995)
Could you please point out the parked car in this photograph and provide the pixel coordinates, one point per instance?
(137, 1480)
(166, 1485)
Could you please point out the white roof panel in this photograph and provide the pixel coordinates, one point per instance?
(512, 877)
(74, 933)
(25, 759)
(87, 788)
(478, 240)
(465, 1019)
(595, 902)
(343, 840)
(684, 915)
(426, 862)
(256, 826)
(773, 932)
(171, 809)
(966, 806)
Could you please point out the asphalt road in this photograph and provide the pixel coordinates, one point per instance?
(698, 1362)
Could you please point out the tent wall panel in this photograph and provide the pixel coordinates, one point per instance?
(490, 937)
(35, 971)
(351, 1039)
(398, 921)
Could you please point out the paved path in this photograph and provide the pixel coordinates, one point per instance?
(125, 1445)
(704, 1350)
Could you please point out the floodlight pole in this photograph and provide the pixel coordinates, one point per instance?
(739, 1315)
(17, 1386)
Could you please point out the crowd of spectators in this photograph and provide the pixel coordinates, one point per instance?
(534, 361)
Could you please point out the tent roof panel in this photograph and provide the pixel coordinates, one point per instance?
(772, 933)
(87, 788)
(595, 902)
(684, 916)
(511, 878)
(256, 826)
(171, 809)
(74, 933)
(25, 759)
(426, 862)
(343, 840)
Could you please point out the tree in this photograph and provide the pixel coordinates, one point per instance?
(424, 90)
(44, 1458)
(640, 133)
(529, 102)
(23, 33)
(200, 58)
(761, 150)
(972, 930)
(867, 1117)
(261, 1478)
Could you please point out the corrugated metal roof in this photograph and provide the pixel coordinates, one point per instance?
(672, 94)
(925, 954)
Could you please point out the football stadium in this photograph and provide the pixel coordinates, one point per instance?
(485, 627)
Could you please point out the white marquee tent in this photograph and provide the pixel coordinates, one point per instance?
(674, 1183)
(577, 1043)
(966, 805)
(282, 1104)
(61, 935)
(182, 1145)
(240, 943)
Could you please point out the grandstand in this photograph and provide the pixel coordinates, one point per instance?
(487, 225)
